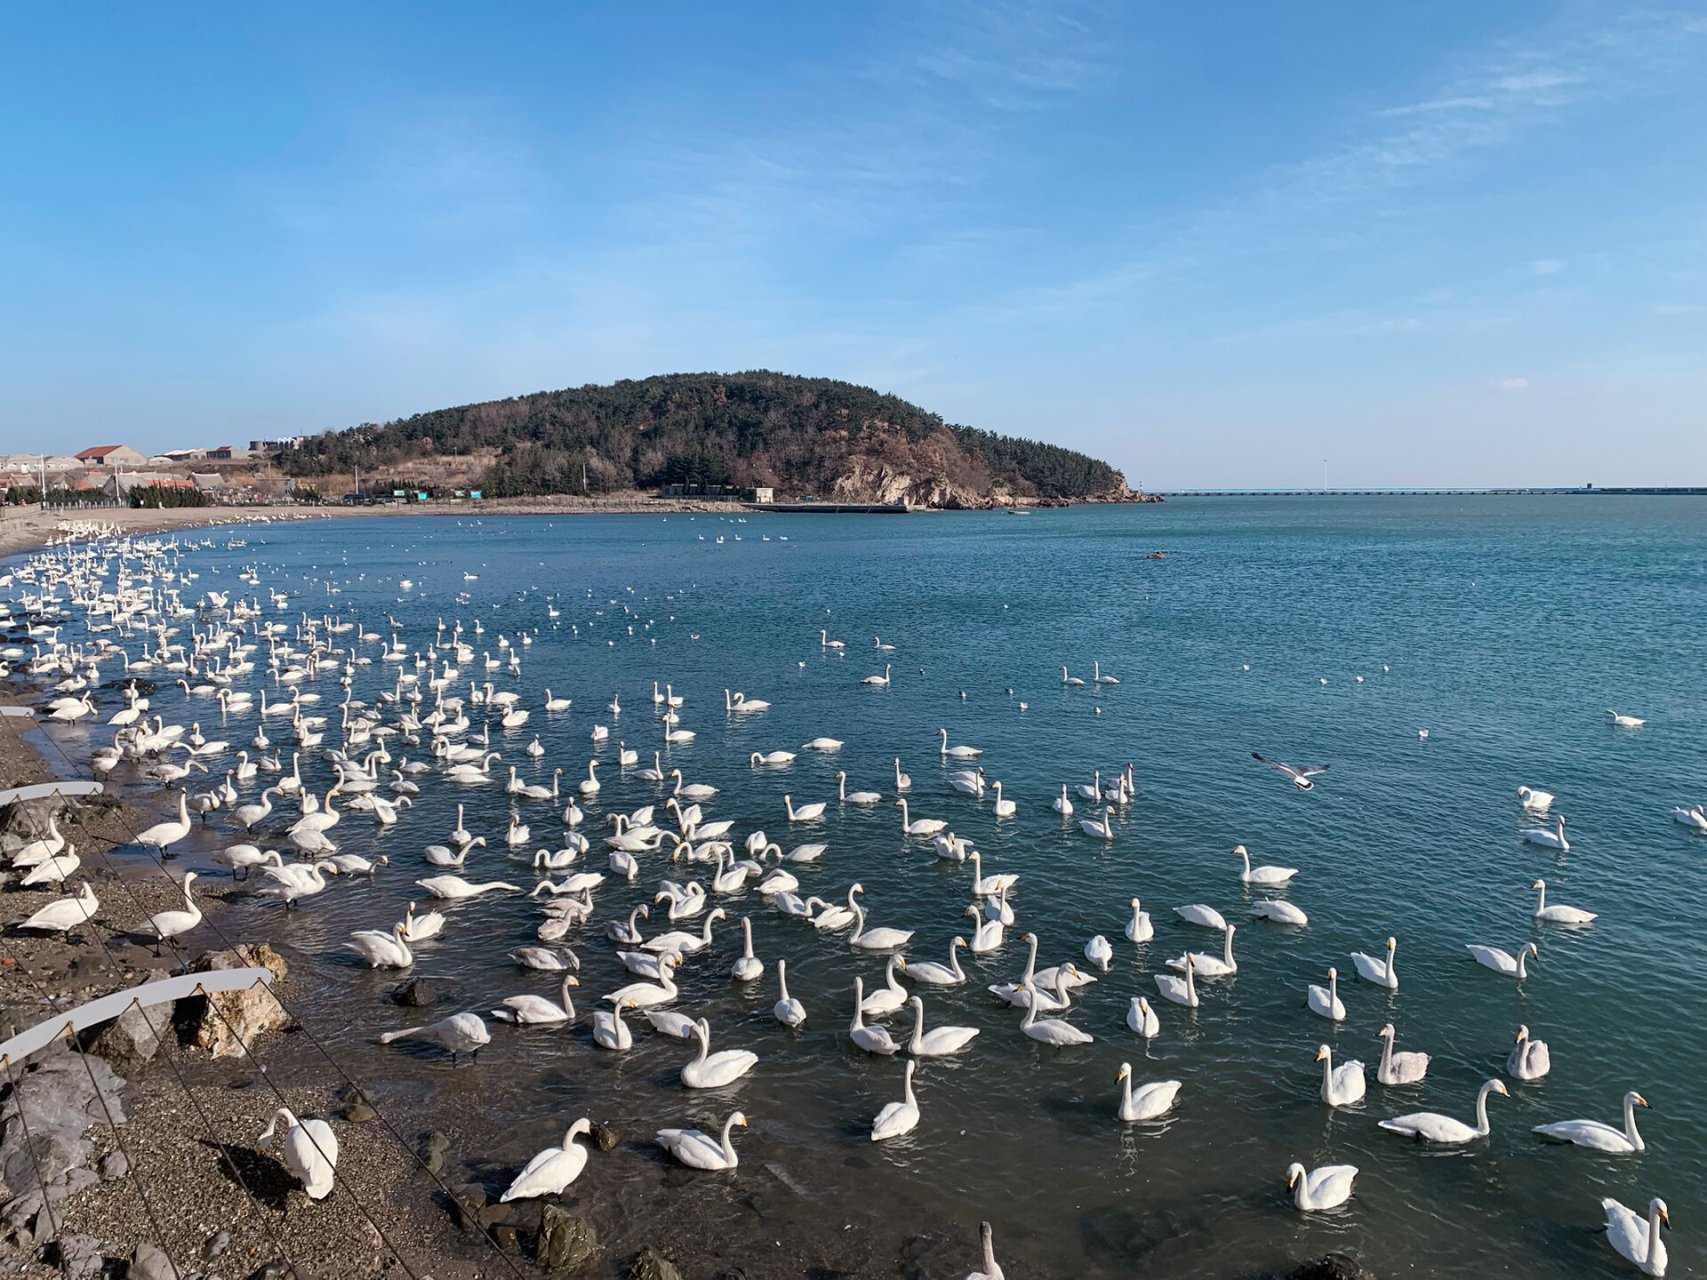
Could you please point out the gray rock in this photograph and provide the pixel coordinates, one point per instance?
(130, 1040)
(565, 1241)
(417, 993)
(216, 1244)
(114, 1165)
(355, 1106)
(79, 1256)
(149, 1263)
(604, 1137)
(1332, 1266)
(59, 1098)
(649, 1264)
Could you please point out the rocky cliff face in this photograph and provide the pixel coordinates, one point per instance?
(926, 483)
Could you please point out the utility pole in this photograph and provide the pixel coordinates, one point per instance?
(43, 458)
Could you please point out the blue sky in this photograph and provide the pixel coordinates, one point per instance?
(1216, 244)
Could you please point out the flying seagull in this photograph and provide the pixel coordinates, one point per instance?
(1300, 777)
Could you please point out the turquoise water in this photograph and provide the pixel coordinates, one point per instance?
(1505, 627)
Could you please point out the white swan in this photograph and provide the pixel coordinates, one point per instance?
(1148, 1102)
(610, 1031)
(455, 888)
(163, 835)
(1003, 808)
(1071, 682)
(1051, 1031)
(881, 681)
(714, 1070)
(170, 924)
(1100, 952)
(64, 913)
(1344, 1085)
(873, 939)
(932, 974)
(1061, 804)
(700, 1150)
(1264, 876)
(898, 1118)
(382, 950)
(643, 995)
(887, 998)
(1637, 1240)
(1535, 800)
(871, 1039)
(537, 1010)
(803, 813)
(748, 967)
(1102, 828)
(912, 826)
(1558, 914)
(1142, 1019)
(991, 1270)
(903, 781)
(1598, 1136)
(1097, 677)
(460, 1033)
(1179, 990)
(957, 753)
(1529, 1059)
(310, 1151)
(1381, 972)
(1211, 966)
(1325, 1188)
(787, 1010)
(553, 1169)
(1626, 722)
(940, 1041)
(1278, 911)
(1428, 1126)
(1399, 1068)
(1140, 928)
(823, 744)
(1199, 914)
(1325, 1001)
(854, 797)
(1550, 839)
(1695, 818)
(1503, 961)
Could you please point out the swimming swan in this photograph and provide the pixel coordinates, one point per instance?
(1427, 1126)
(1148, 1102)
(1598, 1136)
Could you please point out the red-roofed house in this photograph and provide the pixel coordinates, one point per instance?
(112, 455)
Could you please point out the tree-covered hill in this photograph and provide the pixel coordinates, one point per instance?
(801, 436)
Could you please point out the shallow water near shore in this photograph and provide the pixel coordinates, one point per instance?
(1503, 626)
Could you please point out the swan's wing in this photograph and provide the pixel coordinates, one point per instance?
(1628, 1231)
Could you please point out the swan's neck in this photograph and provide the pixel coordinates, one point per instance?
(1630, 1133)
(1653, 1232)
(1540, 899)
(1126, 1092)
(1327, 1070)
(728, 1147)
(1482, 1111)
(1031, 963)
(1386, 1056)
(1227, 949)
(954, 962)
(918, 1025)
(782, 982)
(1522, 959)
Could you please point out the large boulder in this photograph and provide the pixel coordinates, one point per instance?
(228, 1022)
(58, 1098)
(565, 1241)
(130, 1040)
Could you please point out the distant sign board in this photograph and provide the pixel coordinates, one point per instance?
(397, 493)
(420, 495)
(474, 493)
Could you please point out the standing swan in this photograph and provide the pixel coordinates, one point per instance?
(1150, 1102)
(1427, 1126)
(898, 1118)
(169, 924)
(310, 1151)
(1636, 1240)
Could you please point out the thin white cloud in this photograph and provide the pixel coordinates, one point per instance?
(1546, 267)
(1511, 386)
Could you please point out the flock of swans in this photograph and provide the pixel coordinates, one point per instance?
(435, 719)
